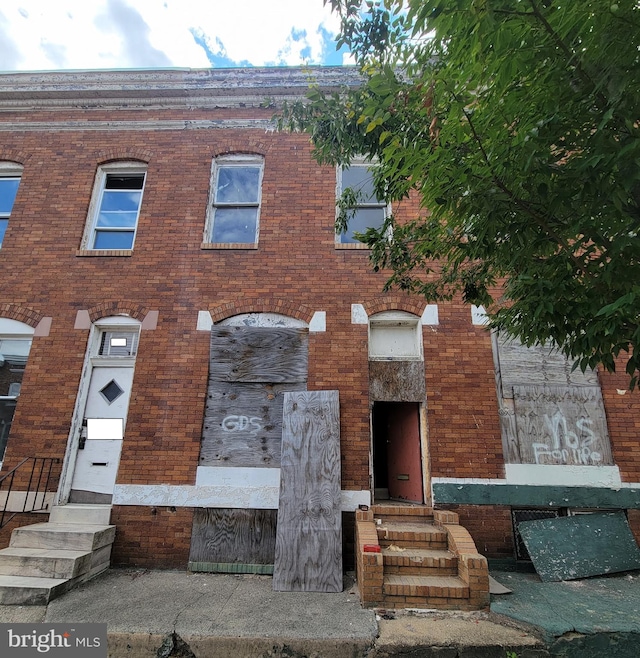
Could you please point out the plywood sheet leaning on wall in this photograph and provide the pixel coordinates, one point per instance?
(309, 534)
(571, 547)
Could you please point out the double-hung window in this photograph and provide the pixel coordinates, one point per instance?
(9, 183)
(367, 210)
(115, 207)
(236, 190)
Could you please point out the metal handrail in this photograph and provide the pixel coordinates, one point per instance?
(40, 476)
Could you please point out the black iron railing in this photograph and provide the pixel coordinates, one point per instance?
(42, 479)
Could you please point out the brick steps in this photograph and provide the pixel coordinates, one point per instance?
(426, 560)
(414, 560)
(446, 587)
(411, 534)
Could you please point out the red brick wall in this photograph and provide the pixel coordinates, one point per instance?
(152, 537)
(296, 270)
(489, 526)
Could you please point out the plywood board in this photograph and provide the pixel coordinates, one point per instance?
(537, 365)
(258, 354)
(243, 424)
(397, 381)
(562, 425)
(309, 534)
(233, 536)
(571, 547)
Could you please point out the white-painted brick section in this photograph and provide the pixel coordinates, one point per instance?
(558, 475)
(430, 315)
(223, 496)
(318, 322)
(204, 321)
(358, 314)
(479, 316)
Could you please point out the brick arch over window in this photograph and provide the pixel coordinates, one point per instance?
(13, 156)
(128, 154)
(242, 147)
(107, 309)
(395, 303)
(21, 313)
(273, 305)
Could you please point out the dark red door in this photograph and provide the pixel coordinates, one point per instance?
(403, 452)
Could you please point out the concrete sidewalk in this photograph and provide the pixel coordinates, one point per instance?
(170, 614)
(175, 614)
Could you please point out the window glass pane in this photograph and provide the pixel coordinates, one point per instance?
(363, 219)
(124, 182)
(238, 185)
(113, 240)
(116, 200)
(359, 179)
(3, 228)
(117, 219)
(8, 190)
(235, 225)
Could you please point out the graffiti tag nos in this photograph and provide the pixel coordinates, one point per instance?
(242, 424)
(568, 447)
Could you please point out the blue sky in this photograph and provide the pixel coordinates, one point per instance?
(38, 35)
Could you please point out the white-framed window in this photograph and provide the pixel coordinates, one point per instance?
(115, 206)
(368, 211)
(10, 174)
(15, 345)
(233, 215)
(395, 336)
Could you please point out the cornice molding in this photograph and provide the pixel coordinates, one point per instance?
(167, 88)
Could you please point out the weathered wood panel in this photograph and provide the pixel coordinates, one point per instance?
(572, 547)
(258, 354)
(537, 365)
(561, 425)
(233, 536)
(397, 381)
(308, 554)
(243, 424)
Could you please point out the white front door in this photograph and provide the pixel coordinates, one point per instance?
(98, 457)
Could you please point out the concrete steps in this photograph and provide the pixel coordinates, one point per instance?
(413, 557)
(45, 560)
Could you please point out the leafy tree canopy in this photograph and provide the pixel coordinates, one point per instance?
(517, 124)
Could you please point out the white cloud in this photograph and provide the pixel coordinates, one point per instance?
(86, 34)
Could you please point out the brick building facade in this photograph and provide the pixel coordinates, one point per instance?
(153, 277)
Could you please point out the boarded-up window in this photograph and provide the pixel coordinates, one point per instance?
(249, 371)
(549, 414)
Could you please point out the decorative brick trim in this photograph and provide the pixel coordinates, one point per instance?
(229, 245)
(104, 252)
(123, 153)
(352, 246)
(269, 305)
(21, 313)
(107, 309)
